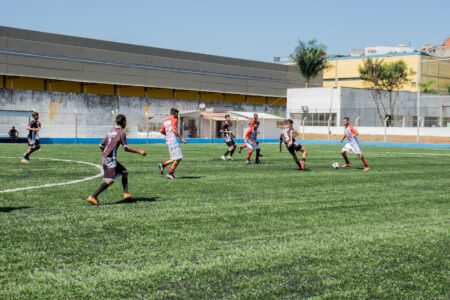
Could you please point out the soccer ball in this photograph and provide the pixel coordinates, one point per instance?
(335, 165)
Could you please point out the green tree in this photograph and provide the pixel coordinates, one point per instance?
(310, 58)
(427, 87)
(385, 81)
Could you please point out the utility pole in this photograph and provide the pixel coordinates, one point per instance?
(419, 68)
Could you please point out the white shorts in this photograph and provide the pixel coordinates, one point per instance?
(251, 145)
(352, 147)
(175, 151)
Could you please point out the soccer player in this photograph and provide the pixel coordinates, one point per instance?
(33, 137)
(287, 137)
(228, 138)
(111, 167)
(170, 129)
(252, 143)
(351, 134)
(250, 125)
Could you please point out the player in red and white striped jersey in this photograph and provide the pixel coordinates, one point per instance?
(170, 129)
(252, 144)
(351, 134)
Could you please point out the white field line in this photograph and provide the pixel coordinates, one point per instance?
(393, 154)
(381, 153)
(100, 174)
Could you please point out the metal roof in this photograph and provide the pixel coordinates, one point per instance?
(53, 56)
(249, 115)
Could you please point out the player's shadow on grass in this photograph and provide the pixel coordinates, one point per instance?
(142, 199)
(305, 170)
(190, 177)
(10, 209)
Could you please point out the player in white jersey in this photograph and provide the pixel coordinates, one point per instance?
(351, 134)
(170, 129)
(287, 137)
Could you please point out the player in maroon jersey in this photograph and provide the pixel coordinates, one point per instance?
(111, 167)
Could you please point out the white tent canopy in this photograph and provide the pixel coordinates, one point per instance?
(249, 115)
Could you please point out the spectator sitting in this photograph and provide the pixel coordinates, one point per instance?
(13, 134)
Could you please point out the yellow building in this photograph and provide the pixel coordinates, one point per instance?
(343, 71)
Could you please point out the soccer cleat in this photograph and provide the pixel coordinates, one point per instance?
(92, 200)
(128, 196)
(366, 169)
(240, 150)
(347, 166)
(248, 161)
(161, 169)
(170, 176)
(258, 162)
(229, 158)
(302, 165)
(24, 160)
(222, 157)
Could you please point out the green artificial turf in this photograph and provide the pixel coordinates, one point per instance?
(224, 229)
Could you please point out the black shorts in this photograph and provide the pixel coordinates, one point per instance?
(230, 143)
(293, 148)
(112, 169)
(34, 144)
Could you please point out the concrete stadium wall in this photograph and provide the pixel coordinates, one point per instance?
(94, 115)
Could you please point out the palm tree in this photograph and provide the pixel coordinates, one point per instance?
(310, 58)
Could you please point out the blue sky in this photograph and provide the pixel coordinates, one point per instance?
(258, 29)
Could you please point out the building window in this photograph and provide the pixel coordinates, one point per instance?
(315, 119)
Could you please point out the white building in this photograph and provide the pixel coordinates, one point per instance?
(380, 50)
(321, 111)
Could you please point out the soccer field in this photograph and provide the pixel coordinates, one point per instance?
(224, 229)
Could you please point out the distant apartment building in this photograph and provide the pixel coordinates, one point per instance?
(344, 71)
(442, 50)
(434, 71)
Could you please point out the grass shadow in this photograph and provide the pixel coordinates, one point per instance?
(10, 209)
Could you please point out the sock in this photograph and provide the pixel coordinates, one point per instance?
(298, 163)
(125, 184)
(232, 152)
(249, 154)
(257, 154)
(27, 155)
(365, 163)
(171, 170)
(226, 153)
(100, 190)
(346, 160)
